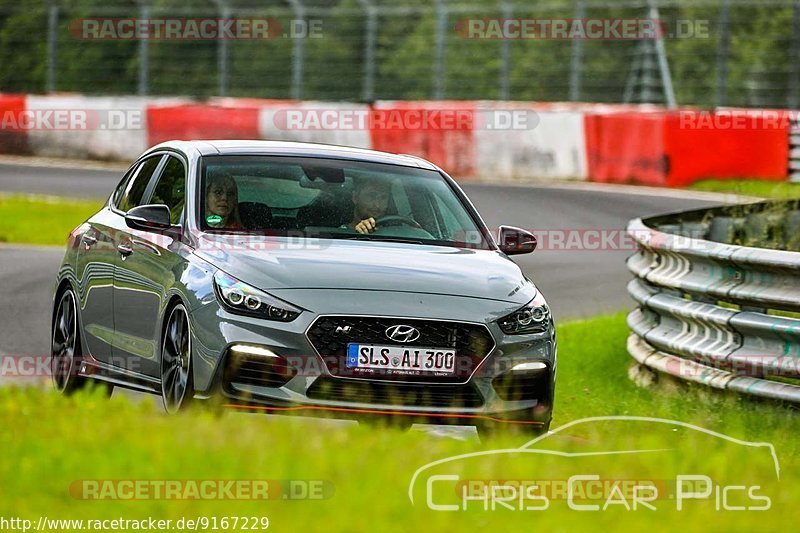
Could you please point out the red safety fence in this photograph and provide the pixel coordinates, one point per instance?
(626, 147)
(201, 121)
(727, 144)
(13, 138)
(441, 132)
(677, 148)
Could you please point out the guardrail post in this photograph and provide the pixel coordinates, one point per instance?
(723, 45)
(224, 12)
(439, 46)
(368, 89)
(663, 64)
(298, 52)
(576, 63)
(505, 53)
(52, 40)
(144, 51)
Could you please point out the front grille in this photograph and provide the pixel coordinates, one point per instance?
(254, 370)
(396, 394)
(330, 336)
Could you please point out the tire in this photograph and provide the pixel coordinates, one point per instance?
(65, 355)
(177, 385)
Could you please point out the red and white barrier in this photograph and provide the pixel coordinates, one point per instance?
(439, 131)
(82, 127)
(500, 141)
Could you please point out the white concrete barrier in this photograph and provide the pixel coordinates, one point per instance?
(90, 127)
(552, 145)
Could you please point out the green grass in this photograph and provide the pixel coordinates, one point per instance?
(30, 219)
(50, 442)
(761, 188)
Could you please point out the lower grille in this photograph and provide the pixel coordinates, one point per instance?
(399, 394)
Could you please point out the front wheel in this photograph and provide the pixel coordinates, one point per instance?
(66, 347)
(177, 387)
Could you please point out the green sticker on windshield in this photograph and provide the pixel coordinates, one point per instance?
(214, 220)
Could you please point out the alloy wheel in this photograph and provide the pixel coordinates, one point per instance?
(176, 349)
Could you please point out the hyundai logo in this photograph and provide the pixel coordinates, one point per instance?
(402, 333)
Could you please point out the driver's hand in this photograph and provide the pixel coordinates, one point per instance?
(366, 226)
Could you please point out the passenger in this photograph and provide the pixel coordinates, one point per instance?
(222, 202)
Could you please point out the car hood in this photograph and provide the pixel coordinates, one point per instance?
(283, 263)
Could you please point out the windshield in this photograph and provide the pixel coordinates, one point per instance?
(333, 199)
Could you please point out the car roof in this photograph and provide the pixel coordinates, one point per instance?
(294, 149)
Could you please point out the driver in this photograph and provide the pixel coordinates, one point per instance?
(370, 201)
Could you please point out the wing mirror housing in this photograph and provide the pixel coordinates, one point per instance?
(513, 241)
(151, 217)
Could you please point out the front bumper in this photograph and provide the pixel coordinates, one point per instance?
(286, 374)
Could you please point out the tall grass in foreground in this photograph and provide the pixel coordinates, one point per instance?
(49, 443)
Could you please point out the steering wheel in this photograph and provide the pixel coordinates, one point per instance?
(395, 220)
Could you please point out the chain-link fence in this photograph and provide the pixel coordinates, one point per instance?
(716, 52)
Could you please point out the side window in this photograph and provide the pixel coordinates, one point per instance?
(123, 183)
(170, 189)
(134, 190)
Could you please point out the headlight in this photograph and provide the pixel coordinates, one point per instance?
(238, 297)
(534, 317)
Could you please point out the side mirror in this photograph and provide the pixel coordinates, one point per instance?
(513, 240)
(149, 217)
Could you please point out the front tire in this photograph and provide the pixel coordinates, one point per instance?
(66, 346)
(177, 385)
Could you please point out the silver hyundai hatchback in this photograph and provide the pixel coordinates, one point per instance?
(293, 277)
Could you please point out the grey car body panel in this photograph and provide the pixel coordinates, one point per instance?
(123, 303)
(381, 266)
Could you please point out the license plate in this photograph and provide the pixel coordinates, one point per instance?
(401, 359)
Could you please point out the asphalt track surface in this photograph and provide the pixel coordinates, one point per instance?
(577, 282)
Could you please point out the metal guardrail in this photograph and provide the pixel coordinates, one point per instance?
(719, 297)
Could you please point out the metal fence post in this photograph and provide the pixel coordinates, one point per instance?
(723, 47)
(52, 39)
(144, 51)
(438, 60)
(368, 89)
(224, 12)
(505, 53)
(663, 64)
(576, 63)
(298, 52)
(794, 59)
